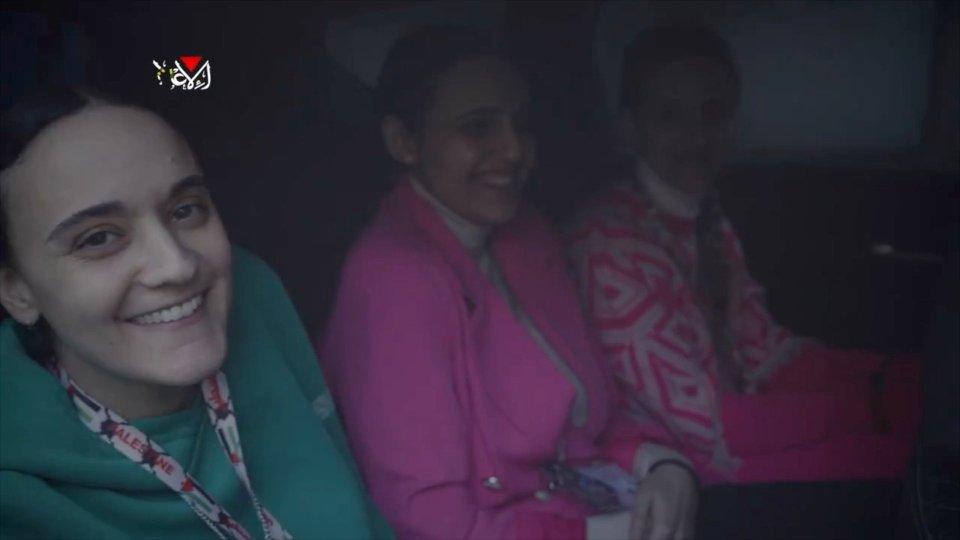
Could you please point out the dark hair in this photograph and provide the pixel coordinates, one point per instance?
(407, 82)
(21, 124)
(649, 52)
(656, 47)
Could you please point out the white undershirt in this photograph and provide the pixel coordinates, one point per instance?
(666, 197)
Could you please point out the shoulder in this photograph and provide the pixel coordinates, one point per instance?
(264, 315)
(531, 229)
(390, 250)
(31, 506)
(612, 215)
(395, 286)
(23, 383)
(257, 288)
(250, 271)
(23, 501)
(617, 205)
(10, 344)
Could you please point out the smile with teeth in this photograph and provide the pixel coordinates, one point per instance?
(500, 180)
(170, 314)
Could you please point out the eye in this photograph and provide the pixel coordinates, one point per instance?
(98, 242)
(190, 214)
(668, 115)
(523, 123)
(717, 111)
(478, 126)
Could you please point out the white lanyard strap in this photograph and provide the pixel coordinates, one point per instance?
(141, 449)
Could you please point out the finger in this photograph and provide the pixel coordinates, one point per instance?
(661, 526)
(640, 517)
(687, 521)
(685, 530)
(675, 514)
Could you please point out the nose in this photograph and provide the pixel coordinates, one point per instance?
(166, 261)
(697, 132)
(699, 137)
(511, 142)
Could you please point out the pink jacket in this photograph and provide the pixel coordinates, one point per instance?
(449, 404)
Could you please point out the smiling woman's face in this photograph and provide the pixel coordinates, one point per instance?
(687, 119)
(117, 245)
(475, 147)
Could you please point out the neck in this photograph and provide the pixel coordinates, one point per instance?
(668, 198)
(130, 399)
(472, 235)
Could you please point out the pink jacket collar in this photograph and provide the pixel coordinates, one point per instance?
(509, 242)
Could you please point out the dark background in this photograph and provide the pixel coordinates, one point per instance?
(295, 179)
(297, 170)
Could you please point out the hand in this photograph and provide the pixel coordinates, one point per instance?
(614, 526)
(666, 507)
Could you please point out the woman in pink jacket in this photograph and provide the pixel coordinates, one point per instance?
(458, 352)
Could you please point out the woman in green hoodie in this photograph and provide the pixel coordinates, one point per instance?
(154, 381)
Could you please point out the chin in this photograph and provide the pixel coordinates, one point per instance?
(502, 209)
(499, 216)
(192, 364)
(695, 182)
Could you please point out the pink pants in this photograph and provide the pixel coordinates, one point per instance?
(820, 419)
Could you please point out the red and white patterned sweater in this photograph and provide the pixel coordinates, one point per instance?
(635, 265)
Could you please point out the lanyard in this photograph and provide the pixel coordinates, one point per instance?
(141, 449)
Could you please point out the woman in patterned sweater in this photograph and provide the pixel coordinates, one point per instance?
(685, 326)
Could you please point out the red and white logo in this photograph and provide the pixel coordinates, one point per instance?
(187, 73)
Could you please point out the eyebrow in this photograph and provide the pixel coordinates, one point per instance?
(112, 208)
(97, 210)
(523, 109)
(192, 181)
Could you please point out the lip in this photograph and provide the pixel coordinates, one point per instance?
(202, 299)
(499, 179)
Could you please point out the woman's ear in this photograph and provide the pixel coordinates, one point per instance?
(17, 297)
(400, 142)
(625, 132)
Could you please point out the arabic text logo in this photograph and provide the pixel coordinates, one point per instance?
(187, 73)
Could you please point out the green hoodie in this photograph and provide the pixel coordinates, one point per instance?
(60, 480)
